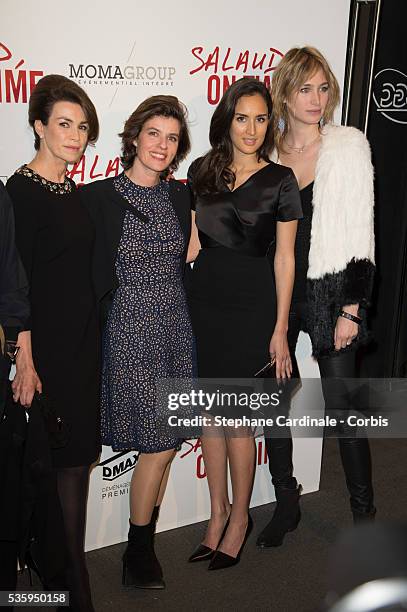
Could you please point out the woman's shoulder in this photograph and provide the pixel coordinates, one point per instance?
(343, 137)
(282, 173)
(97, 188)
(193, 167)
(18, 186)
(17, 180)
(177, 185)
(280, 169)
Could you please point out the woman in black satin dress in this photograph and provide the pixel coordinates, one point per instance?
(244, 203)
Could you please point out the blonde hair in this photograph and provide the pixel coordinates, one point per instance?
(298, 65)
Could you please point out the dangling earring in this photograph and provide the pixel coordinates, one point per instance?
(321, 122)
(281, 124)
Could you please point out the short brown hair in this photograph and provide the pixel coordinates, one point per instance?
(57, 88)
(155, 106)
(298, 65)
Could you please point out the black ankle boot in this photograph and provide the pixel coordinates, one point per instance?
(153, 524)
(286, 517)
(364, 517)
(141, 567)
(154, 519)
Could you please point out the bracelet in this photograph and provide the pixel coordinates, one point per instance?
(350, 317)
(12, 350)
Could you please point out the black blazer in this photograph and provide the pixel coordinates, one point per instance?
(107, 209)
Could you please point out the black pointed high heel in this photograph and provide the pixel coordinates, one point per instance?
(221, 560)
(204, 553)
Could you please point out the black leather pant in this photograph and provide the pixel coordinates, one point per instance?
(355, 452)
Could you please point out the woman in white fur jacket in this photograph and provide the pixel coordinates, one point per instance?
(334, 263)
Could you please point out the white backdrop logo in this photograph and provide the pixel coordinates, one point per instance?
(119, 464)
(98, 74)
(390, 94)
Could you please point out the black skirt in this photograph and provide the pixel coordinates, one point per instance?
(232, 300)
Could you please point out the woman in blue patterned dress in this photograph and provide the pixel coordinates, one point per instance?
(144, 222)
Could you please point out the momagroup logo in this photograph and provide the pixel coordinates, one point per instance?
(225, 66)
(117, 75)
(390, 94)
(16, 81)
(118, 465)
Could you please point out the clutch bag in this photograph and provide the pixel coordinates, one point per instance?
(56, 428)
(267, 371)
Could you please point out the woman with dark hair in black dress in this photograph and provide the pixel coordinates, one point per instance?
(55, 236)
(244, 203)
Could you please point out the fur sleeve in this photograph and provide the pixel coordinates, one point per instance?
(358, 282)
(342, 225)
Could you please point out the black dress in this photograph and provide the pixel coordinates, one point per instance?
(54, 235)
(232, 291)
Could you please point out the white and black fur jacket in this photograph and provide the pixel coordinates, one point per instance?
(341, 257)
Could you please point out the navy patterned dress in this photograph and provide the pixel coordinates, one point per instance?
(148, 334)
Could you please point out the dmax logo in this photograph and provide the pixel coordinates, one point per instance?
(390, 94)
(16, 83)
(118, 465)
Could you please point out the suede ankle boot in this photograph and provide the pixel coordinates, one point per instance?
(364, 517)
(286, 517)
(141, 568)
(153, 524)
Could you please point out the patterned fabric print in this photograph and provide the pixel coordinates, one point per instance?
(148, 333)
(59, 188)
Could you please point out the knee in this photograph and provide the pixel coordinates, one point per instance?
(158, 461)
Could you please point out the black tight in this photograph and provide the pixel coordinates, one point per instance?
(355, 452)
(73, 492)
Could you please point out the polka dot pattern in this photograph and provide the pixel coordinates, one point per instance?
(148, 334)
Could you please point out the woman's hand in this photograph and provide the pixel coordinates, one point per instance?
(194, 245)
(345, 330)
(26, 381)
(280, 352)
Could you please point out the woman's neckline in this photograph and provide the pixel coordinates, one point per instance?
(307, 186)
(149, 187)
(250, 177)
(53, 186)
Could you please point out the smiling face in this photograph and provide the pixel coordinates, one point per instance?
(249, 125)
(157, 145)
(66, 134)
(307, 105)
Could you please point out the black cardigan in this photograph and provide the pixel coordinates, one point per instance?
(14, 303)
(107, 209)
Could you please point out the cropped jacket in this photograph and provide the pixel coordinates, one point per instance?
(341, 257)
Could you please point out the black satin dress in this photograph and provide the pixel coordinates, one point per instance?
(232, 291)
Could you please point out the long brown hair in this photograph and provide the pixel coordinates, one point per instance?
(298, 65)
(214, 168)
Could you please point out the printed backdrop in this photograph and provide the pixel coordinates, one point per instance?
(121, 54)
